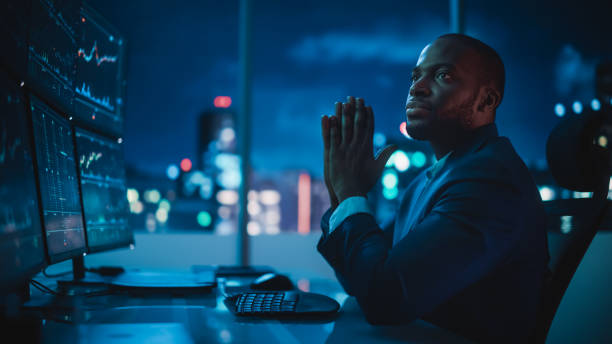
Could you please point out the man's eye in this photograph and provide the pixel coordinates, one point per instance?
(444, 76)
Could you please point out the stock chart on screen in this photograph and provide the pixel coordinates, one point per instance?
(59, 189)
(103, 189)
(21, 245)
(99, 80)
(52, 48)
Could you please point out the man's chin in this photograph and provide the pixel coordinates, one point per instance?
(418, 131)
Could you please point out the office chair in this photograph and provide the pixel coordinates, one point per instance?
(578, 161)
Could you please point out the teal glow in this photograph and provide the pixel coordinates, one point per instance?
(390, 193)
(389, 179)
(204, 219)
(418, 159)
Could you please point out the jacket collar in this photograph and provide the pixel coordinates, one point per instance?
(478, 137)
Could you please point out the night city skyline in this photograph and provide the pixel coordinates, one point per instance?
(308, 55)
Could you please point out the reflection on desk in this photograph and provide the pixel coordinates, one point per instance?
(205, 319)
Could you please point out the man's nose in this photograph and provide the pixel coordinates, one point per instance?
(419, 88)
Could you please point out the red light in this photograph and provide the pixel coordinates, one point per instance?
(185, 165)
(304, 200)
(223, 101)
(93, 116)
(403, 129)
(82, 19)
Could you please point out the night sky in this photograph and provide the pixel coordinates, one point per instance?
(309, 54)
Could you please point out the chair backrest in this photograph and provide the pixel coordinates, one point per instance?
(578, 162)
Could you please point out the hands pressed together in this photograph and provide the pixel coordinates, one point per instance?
(350, 167)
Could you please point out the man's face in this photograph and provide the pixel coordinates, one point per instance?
(443, 91)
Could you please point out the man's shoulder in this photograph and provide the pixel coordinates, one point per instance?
(494, 158)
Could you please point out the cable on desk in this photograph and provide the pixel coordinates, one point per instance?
(43, 288)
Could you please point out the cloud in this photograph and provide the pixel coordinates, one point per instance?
(390, 43)
(575, 76)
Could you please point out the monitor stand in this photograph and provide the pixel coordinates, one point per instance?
(140, 280)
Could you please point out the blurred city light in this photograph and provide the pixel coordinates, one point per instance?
(577, 107)
(161, 215)
(379, 139)
(204, 219)
(224, 212)
(546, 193)
(389, 179)
(400, 160)
(390, 193)
(227, 197)
(136, 207)
(418, 159)
(403, 130)
(186, 165)
(559, 110)
(152, 196)
(253, 208)
(164, 204)
(253, 228)
(566, 224)
(595, 104)
(229, 179)
(172, 172)
(132, 195)
(269, 197)
(222, 101)
(602, 141)
(227, 134)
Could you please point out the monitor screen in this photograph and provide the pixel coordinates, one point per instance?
(59, 189)
(21, 245)
(52, 48)
(99, 79)
(103, 190)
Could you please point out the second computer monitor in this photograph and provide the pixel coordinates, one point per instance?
(103, 191)
(99, 82)
(58, 180)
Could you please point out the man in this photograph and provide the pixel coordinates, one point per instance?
(467, 250)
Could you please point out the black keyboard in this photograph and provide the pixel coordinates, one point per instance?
(270, 303)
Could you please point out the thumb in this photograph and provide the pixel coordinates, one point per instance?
(383, 156)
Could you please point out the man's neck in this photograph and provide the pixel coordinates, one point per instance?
(449, 140)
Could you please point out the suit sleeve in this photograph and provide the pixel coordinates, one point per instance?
(470, 228)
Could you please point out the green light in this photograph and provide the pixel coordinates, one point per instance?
(204, 219)
(418, 159)
(389, 179)
(390, 193)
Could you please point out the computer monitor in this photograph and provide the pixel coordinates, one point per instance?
(100, 79)
(52, 47)
(103, 191)
(58, 183)
(22, 252)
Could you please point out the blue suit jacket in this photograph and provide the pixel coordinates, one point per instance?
(467, 250)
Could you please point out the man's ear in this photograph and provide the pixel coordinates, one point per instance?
(489, 99)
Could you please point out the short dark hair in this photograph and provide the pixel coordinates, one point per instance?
(493, 67)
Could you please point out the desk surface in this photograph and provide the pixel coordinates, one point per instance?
(203, 318)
